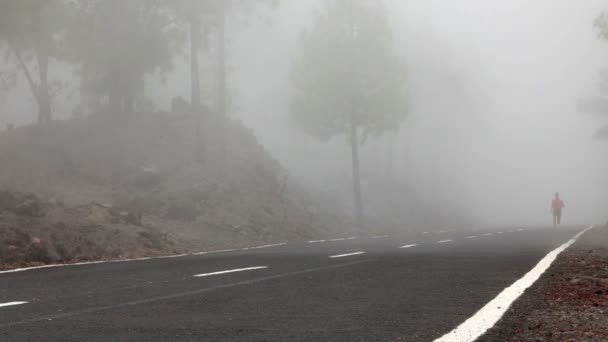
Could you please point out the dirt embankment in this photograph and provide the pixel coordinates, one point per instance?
(145, 184)
(35, 232)
(113, 186)
(569, 302)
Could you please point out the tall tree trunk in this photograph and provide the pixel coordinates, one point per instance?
(354, 142)
(28, 75)
(195, 41)
(115, 101)
(221, 85)
(354, 145)
(41, 50)
(390, 158)
(43, 98)
(128, 103)
(221, 82)
(195, 85)
(115, 91)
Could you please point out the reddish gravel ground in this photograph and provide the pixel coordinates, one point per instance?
(568, 303)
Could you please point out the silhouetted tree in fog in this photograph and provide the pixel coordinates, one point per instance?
(348, 79)
(117, 43)
(203, 19)
(193, 15)
(599, 103)
(32, 32)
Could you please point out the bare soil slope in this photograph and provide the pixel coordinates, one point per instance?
(145, 184)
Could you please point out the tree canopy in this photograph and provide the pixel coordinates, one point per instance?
(599, 104)
(348, 66)
(117, 43)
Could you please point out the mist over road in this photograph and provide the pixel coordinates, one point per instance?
(413, 287)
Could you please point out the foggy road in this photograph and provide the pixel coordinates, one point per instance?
(414, 287)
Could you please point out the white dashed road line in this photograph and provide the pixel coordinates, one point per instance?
(471, 237)
(345, 255)
(230, 271)
(488, 234)
(444, 241)
(409, 246)
(379, 237)
(487, 316)
(11, 304)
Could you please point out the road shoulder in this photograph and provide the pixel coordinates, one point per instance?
(568, 303)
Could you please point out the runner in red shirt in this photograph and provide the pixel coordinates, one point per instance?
(556, 208)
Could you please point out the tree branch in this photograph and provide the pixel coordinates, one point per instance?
(26, 71)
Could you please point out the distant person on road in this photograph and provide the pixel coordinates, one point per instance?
(556, 209)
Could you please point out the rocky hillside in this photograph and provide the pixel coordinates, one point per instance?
(34, 232)
(148, 174)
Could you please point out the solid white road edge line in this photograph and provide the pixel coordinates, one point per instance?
(230, 271)
(11, 304)
(213, 252)
(409, 246)
(487, 317)
(71, 264)
(264, 246)
(444, 241)
(176, 256)
(268, 246)
(135, 259)
(345, 255)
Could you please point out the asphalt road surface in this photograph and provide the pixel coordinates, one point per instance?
(357, 289)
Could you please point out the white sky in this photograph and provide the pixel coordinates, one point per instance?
(493, 126)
